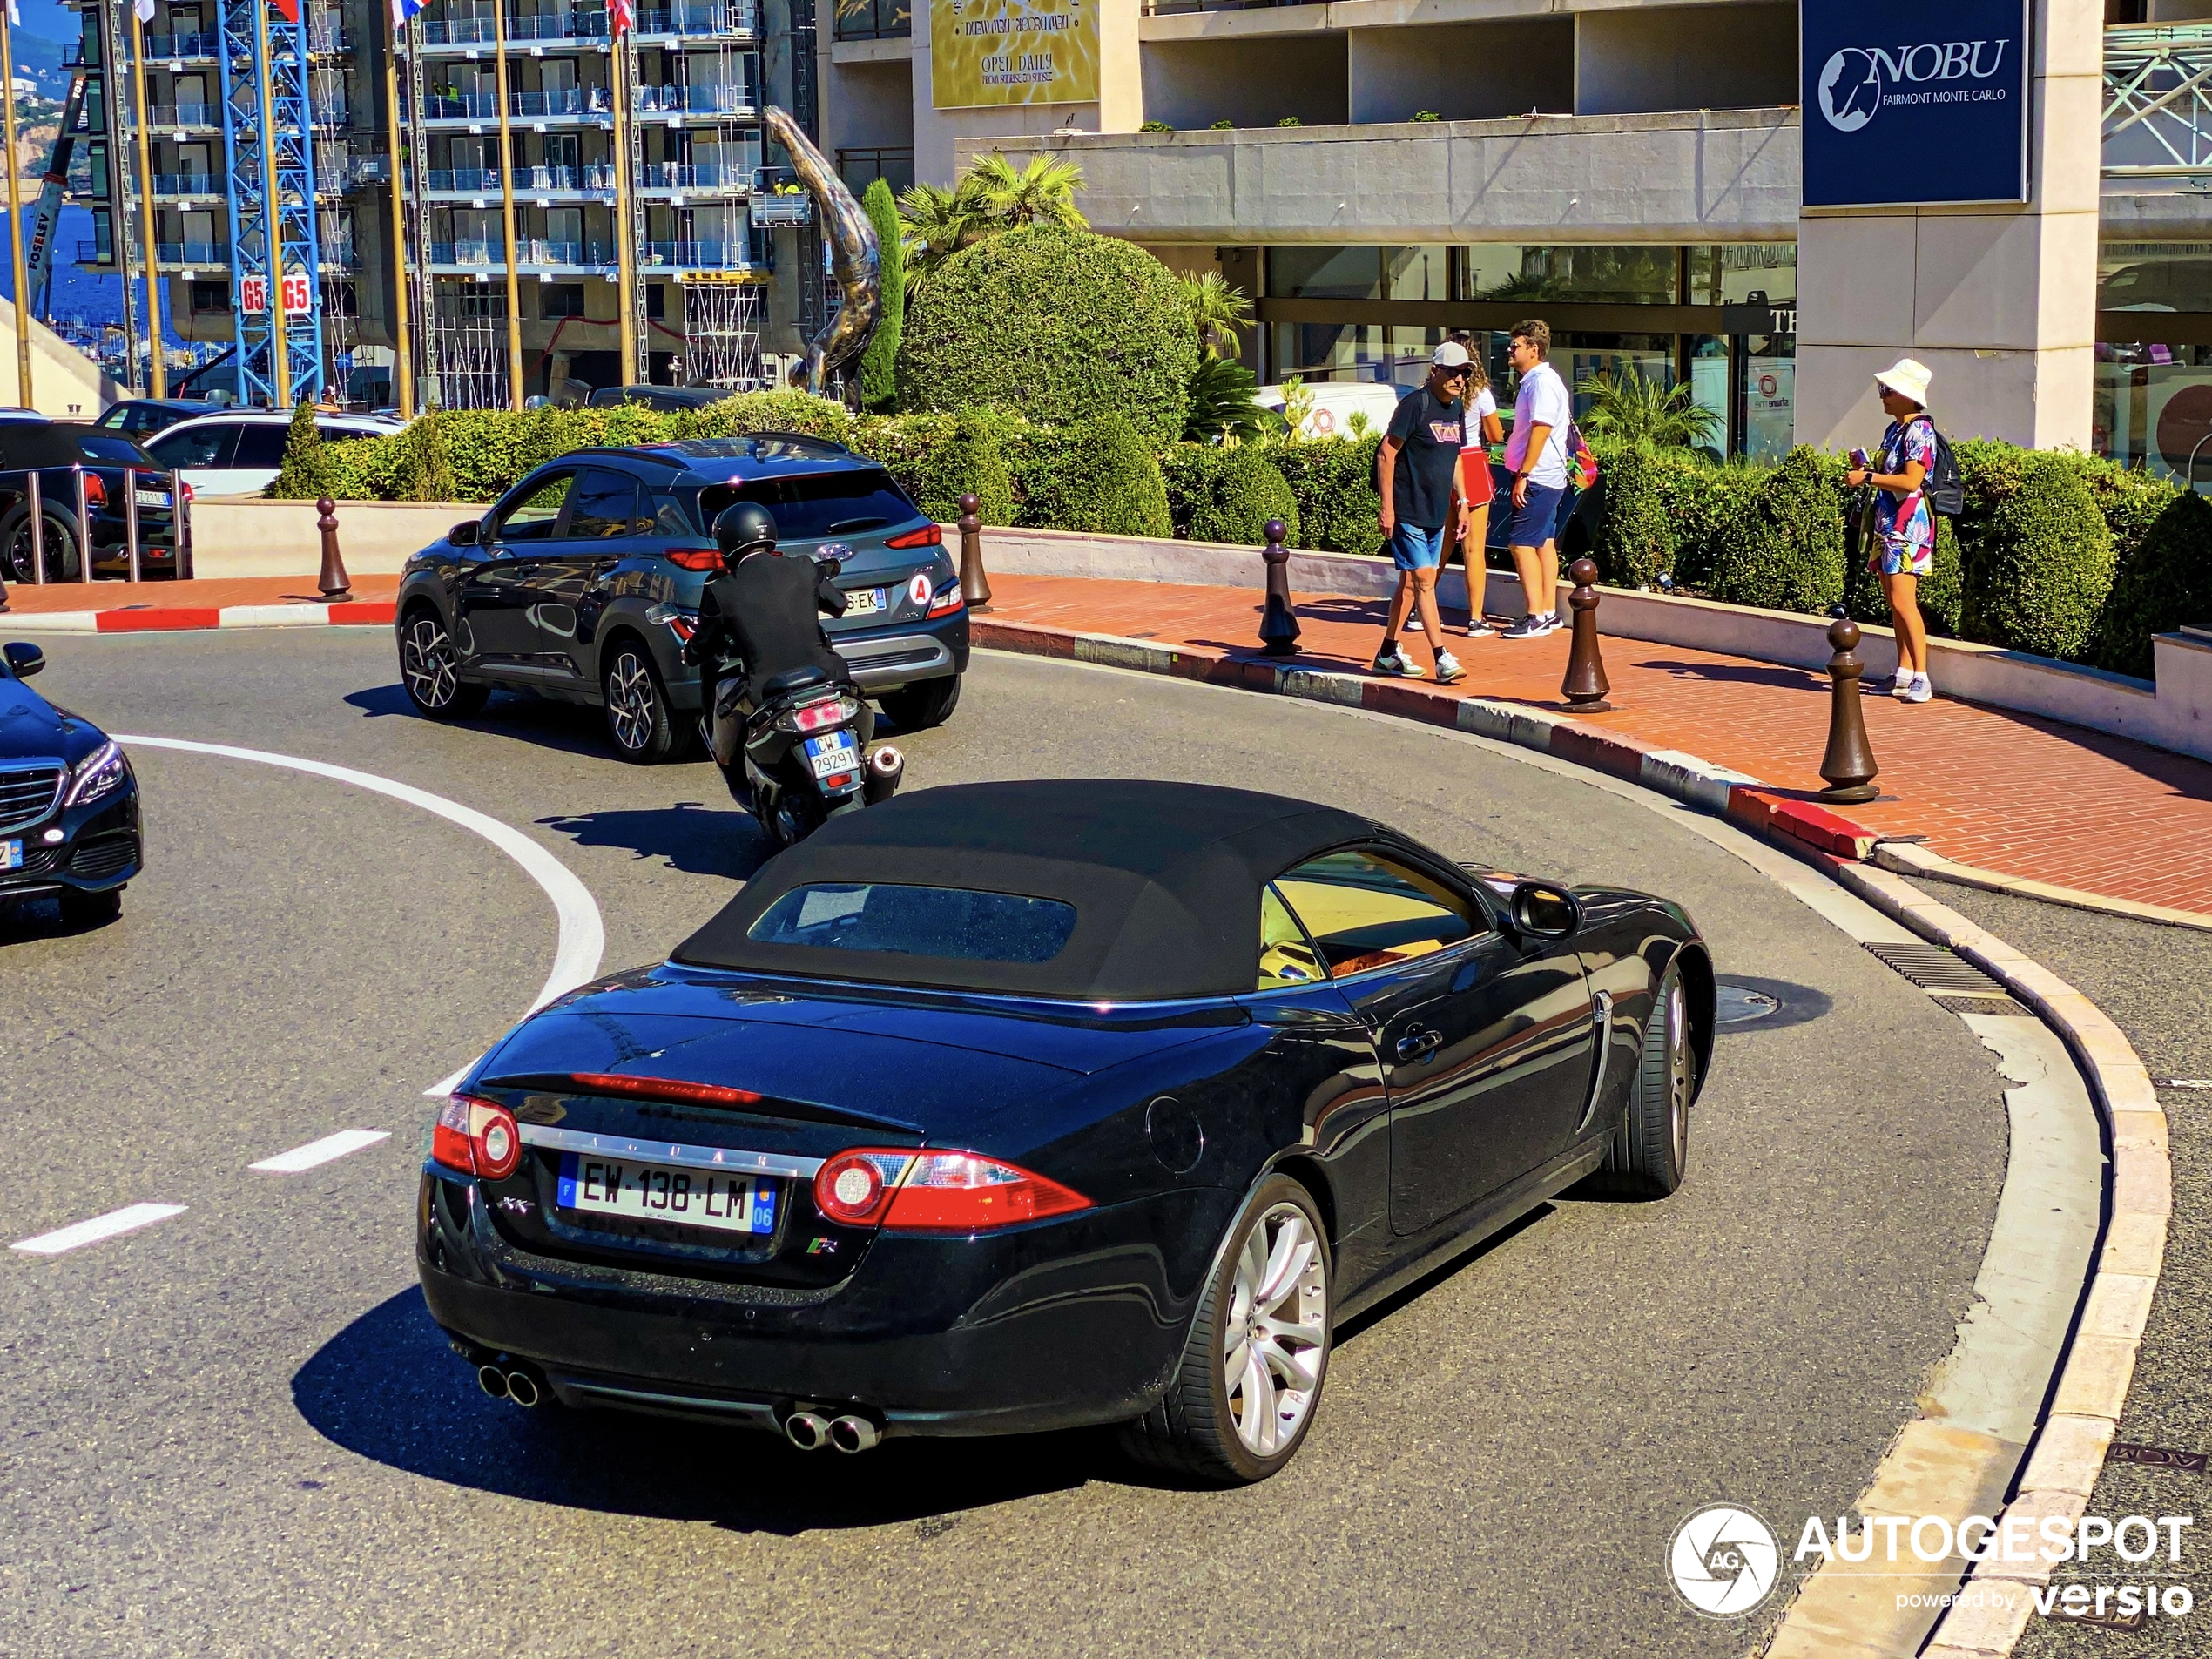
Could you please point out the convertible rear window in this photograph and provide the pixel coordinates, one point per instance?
(955, 923)
(811, 506)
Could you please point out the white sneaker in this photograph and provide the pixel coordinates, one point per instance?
(1393, 660)
(1552, 623)
(1901, 682)
(1922, 689)
(1448, 669)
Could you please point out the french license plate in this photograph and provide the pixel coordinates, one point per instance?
(832, 754)
(10, 856)
(154, 497)
(865, 602)
(604, 1186)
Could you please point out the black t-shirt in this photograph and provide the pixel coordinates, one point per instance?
(1432, 432)
(767, 612)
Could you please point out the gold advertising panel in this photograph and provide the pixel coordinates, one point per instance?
(1013, 51)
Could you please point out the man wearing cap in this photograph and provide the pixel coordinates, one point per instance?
(1417, 476)
(1904, 549)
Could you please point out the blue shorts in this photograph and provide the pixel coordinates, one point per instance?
(1413, 548)
(1538, 522)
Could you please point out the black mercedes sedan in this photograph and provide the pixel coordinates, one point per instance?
(1015, 1107)
(583, 583)
(69, 804)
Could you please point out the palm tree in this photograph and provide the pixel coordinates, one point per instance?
(1218, 309)
(935, 224)
(1042, 193)
(1221, 402)
(1635, 410)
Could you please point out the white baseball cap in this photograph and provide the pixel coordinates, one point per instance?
(1450, 354)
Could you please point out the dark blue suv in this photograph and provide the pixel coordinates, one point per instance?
(583, 583)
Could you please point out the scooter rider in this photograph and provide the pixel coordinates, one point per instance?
(762, 617)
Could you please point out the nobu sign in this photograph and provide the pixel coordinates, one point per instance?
(1904, 104)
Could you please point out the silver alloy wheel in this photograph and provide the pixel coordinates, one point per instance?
(426, 663)
(1275, 1330)
(1679, 1062)
(629, 701)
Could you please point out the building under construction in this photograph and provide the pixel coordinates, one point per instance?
(604, 212)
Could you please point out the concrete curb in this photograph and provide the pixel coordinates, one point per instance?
(1908, 858)
(2068, 1451)
(168, 618)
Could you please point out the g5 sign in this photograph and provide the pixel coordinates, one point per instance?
(1900, 109)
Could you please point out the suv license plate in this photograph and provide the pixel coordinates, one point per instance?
(864, 601)
(601, 1186)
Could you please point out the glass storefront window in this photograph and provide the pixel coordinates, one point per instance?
(2155, 276)
(1325, 273)
(1418, 272)
(1330, 351)
(1570, 273)
(1731, 273)
(1767, 413)
(2152, 408)
(1581, 358)
(1708, 387)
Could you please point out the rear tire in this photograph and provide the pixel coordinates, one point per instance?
(1249, 1380)
(1650, 1149)
(81, 909)
(639, 722)
(63, 562)
(917, 708)
(430, 670)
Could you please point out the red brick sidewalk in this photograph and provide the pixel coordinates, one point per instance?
(24, 600)
(2008, 792)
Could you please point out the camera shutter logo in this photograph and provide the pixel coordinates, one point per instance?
(1851, 89)
(1724, 1562)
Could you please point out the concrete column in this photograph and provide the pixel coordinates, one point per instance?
(2000, 302)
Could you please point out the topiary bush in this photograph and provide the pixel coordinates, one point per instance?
(2036, 555)
(1227, 494)
(1106, 479)
(968, 459)
(879, 362)
(425, 471)
(1059, 325)
(1786, 553)
(2166, 583)
(1635, 538)
(1332, 480)
(307, 472)
(1939, 593)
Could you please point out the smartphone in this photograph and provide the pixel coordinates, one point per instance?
(1862, 460)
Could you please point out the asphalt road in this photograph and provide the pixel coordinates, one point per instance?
(236, 1431)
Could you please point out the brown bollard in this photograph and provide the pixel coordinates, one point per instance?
(974, 581)
(335, 585)
(1848, 764)
(1585, 686)
(1279, 622)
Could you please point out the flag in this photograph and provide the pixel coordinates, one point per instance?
(623, 13)
(145, 9)
(403, 12)
(15, 15)
(288, 10)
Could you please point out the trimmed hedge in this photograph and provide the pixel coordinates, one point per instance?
(1332, 480)
(2165, 582)
(1217, 494)
(969, 460)
(1059, 325)
(1634, 539)
(1106, 479)
(307, 472)
(2036, 555)
(1787, 552)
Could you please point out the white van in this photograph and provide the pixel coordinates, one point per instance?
(1334, 404)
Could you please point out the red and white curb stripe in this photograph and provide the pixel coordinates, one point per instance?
(150, 619)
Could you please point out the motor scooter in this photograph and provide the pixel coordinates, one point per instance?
(793, 754)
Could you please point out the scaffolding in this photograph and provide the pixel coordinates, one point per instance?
(721, 329)
(268, 152)
(467, 339)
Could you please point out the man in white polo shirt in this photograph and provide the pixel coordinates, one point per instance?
(1537, 456)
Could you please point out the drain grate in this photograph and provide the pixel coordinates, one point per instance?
(1999, 1005)
(1933, 968)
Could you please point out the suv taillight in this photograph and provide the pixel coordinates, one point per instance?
(695, 558)
(928, 535)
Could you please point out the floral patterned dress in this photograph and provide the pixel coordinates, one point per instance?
(1903, 523)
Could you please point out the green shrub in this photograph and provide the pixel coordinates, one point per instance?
(1333, 481)
(1635, 536)
(2036, 555)
(968, 459)
(1191, 472)
(1106, 480)
(425, 472)
(307, 472)
(1227, 494)
(1786, 553)
(1939, 593)
(1156, 127)
(878, 364)
(1059, 325)
(2167, 581)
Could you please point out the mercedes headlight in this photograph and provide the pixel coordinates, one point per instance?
(100, 772)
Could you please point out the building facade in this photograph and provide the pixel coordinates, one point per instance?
(1378, 172)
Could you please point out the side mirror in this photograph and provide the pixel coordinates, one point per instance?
(1543, 911)
(467, 533)
(24, 659)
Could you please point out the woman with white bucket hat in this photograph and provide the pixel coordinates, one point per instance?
(1904, 549)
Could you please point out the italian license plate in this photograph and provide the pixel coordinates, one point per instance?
(727, 1203)
(832, 754)
(154, 497)
(865, 602)
(10, 856)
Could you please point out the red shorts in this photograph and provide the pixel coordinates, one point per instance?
(1475, 477)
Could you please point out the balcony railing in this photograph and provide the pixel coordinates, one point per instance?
(326, 35)
(723, 20)
(193, 254)
(186, 184)
(709, 97)
(172, 48)
(530, 251)
(185, 115)
(704, 19)
(875, 19)
(599, 175)
(737, 177)
(697, 256)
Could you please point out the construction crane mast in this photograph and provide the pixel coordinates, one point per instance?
(268, 148)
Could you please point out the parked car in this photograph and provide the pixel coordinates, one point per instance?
(239, 451)
(1023, 1106)
(1332, 404)
(664, 400)
(69, 804)
(111, 463)
(141, 417)
(583, 583)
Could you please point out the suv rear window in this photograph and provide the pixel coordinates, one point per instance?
(962, 924)
(813, 505)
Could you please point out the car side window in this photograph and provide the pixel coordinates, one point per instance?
(1366, 911)
(1286, 955)
(532, 518)
(665, 515)
(206, 446)
(603, 504)
(260, 445)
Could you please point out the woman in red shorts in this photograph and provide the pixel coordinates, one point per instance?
(1483, 429)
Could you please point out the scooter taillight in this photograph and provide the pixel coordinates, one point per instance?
(831, 710)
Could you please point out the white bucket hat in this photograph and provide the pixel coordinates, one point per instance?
(1908, 378)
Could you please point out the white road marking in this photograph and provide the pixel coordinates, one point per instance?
(331, 1147)
(91, 1233)
(582, 938)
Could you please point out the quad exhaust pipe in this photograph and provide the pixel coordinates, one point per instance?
(519, 1385)
(810, 1432)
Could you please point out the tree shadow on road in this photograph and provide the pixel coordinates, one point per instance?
(389, 1388)
(692, 837)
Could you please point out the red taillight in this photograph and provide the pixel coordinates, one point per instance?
(936, 1192)
(476, 1137)
(950, 599)
(95, 490)
(695, 558)
(928, 535)
(854, 1186)
(185, 486)
(832, 711)
(667, 1089)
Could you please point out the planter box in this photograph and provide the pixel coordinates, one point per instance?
(248, 536)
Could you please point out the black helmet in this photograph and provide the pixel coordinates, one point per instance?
(745, 528)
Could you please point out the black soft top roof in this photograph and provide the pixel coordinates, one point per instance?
(1165, 880)
(26, 446)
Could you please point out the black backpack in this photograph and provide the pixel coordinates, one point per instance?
(1944, 492)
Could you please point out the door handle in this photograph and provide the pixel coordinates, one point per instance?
(1419, 1045)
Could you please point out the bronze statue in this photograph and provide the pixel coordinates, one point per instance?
(855, 260)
